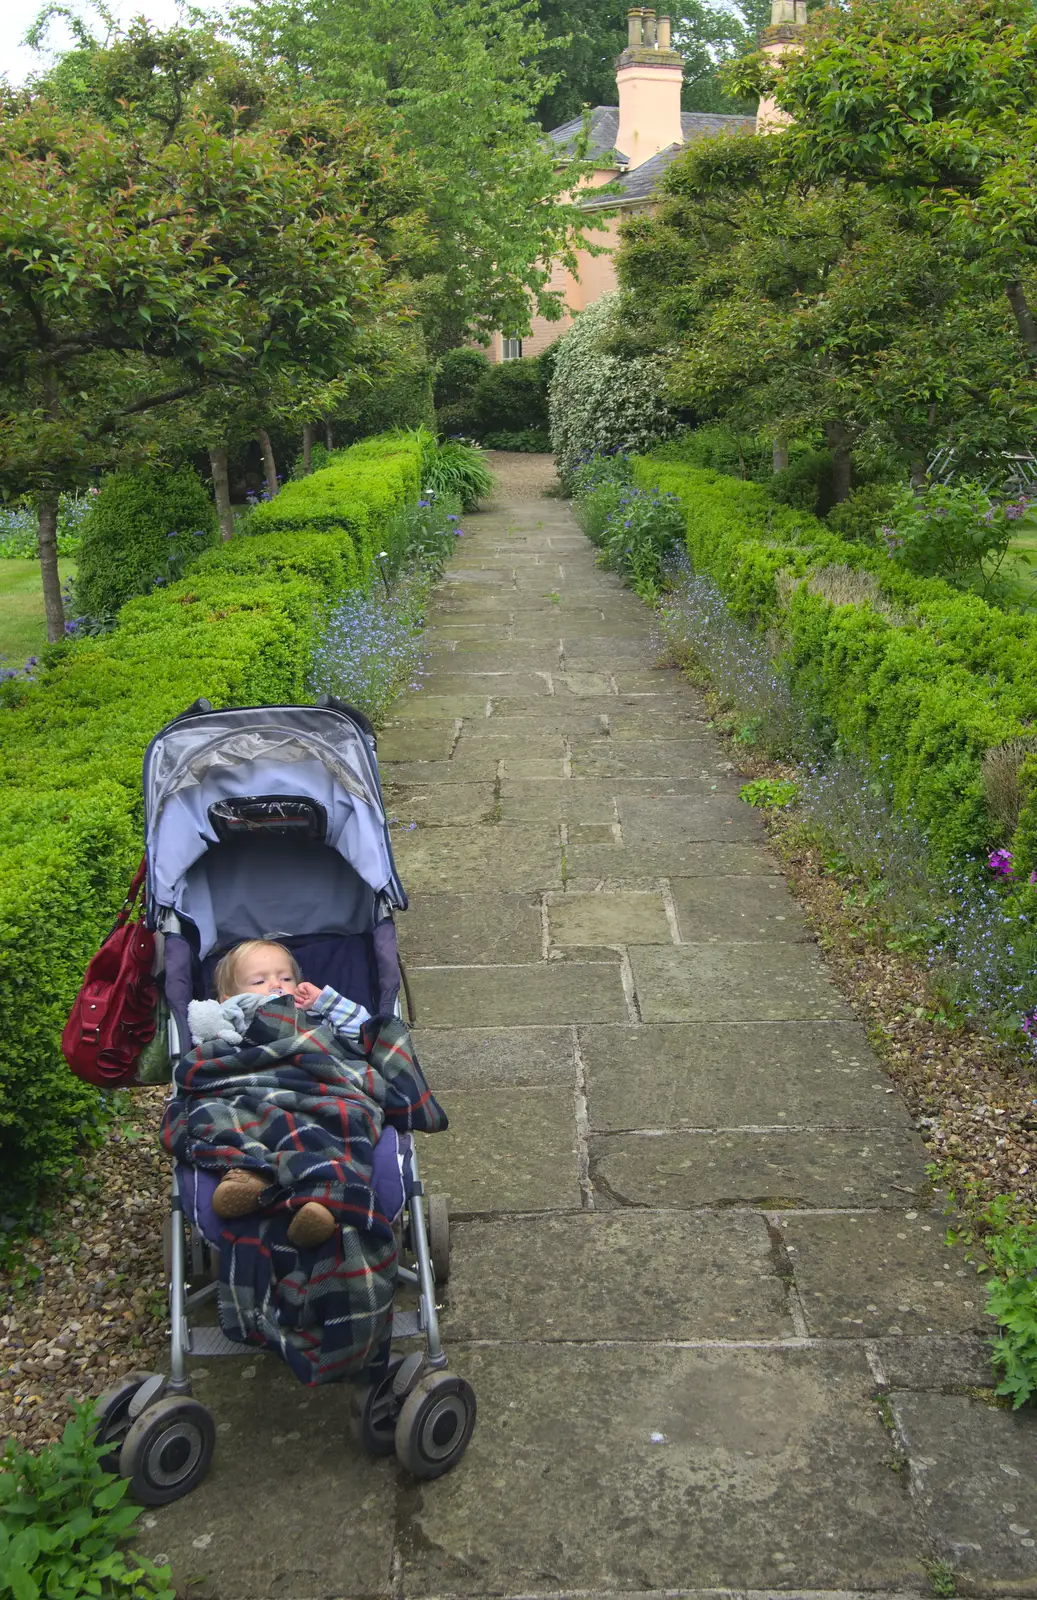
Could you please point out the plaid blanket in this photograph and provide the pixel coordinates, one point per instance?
(307, 1107)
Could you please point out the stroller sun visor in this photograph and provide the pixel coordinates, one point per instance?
(192, 769)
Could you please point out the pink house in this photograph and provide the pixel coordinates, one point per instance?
(631, 144)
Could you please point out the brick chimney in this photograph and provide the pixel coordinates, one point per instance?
(785, 34)
(648, 77)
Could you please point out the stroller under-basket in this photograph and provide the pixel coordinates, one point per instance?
(268, 822)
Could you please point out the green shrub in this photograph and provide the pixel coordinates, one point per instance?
(863, 512)
(602, 402)
(720, 449)
(531, 441)
(65, 1523)
(952, 531)
(805, 483)
(402, 399)
(642, 530)
(510, 396)
(134, 527)
(240, 629)
(1012, 1302)
(456, 375)
(915, 677)
(458, 472)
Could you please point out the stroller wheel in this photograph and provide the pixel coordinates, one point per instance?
(373, 1412)
(439, 1236)
(113, 1416)
(167, 1451)
(436, 1422)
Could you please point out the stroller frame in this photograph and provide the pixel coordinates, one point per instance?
(155, 1433)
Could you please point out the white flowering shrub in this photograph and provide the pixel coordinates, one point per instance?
(600, 402)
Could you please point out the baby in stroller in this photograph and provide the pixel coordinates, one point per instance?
(253, 971)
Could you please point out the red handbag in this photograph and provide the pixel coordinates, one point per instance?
(114, 1016)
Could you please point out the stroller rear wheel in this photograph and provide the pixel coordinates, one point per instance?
(167, 1451)
(113, 1417)
(435, 1424)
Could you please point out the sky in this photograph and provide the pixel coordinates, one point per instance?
(18, 15)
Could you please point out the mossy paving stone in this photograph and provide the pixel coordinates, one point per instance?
(267, 1521)
(432, 706)
(643, 866)
(715, 1075)
(765, 982)
(670, 758)
(470, 929)
(731, 908)
(627, 917)
(859, 1276)
(649, 1468)
(523, 687)
(571, 1277)
(411, 742)
(438, 802)
(974, 1474)
(485, 1058)
(478, 857)
(683, 819)
(550, 992)
(506, 1150)
(809, 1169)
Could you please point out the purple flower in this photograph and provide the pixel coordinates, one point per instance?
(1032, 879)
(1029, 1024)
(1000, 862)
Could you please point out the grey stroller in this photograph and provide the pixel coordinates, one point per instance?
(269, 822)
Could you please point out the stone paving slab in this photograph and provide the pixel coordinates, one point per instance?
(571, 1278)
(629, 917)
(974, 1473)
(471, 929)
(773, 1171)
(713, 1075)
(406, 743)
(506, 1150)
(480, 857)
(734, 909)
(944, 1362)
(247, 1532)
(482, 1058)
(612, 1469)
(642, 758)
(552, 992)
(617, 863)
(681, 819)
(734, 983)
(867, 1275)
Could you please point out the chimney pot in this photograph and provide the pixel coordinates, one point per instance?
(662, 33)
(634, 30)
(648, 30)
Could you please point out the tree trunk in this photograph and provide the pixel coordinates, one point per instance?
(328, 441)
(221, 489)
(919, 476)
(47, 512)
(842, 461)
(779, 454)
(307, 448)
(269, 464)
(1023, 319)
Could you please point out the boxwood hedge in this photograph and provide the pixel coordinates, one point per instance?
(922, 680)
(240, 629)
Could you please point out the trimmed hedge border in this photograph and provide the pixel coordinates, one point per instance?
(239, 629)
(922, 682)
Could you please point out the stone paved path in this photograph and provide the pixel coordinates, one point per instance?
(700, 1284)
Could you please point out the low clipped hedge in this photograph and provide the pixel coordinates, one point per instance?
(918, 677)
(239, 629)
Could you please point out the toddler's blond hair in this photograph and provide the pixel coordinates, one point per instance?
(225, 976)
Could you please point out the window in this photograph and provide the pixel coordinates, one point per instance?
(510, 349)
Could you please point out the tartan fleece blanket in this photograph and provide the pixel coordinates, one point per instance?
(305, 1106)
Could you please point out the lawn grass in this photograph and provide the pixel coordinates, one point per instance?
(1024, 573)
(23, 627)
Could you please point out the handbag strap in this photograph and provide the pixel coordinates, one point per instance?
(132, 893)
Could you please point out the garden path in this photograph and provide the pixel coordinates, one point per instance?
(700, 1284)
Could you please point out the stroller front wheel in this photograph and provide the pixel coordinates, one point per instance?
(167, 1451)
(436, 1421)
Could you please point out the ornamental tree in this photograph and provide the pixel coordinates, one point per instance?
(138, 271)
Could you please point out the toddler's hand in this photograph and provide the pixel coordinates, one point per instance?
(306, 994)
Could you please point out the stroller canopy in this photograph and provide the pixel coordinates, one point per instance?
(304, 777)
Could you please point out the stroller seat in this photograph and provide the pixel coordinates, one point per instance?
(198, 1185)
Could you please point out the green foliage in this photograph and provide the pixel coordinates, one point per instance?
(65, 1523)
(19, 528)
(721, 449)
(1012, 1302)
(458, 472)
(952, 531)
(772, 794)
(911, 675)
(805, 483)
(240, 629)
(860, 516)
(134, 527)
(530, 441)
(510, 396)
(457, 373)
(943, 1580)
(641, 531)
(600, 401)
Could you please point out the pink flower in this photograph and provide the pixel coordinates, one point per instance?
(1000, 861)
